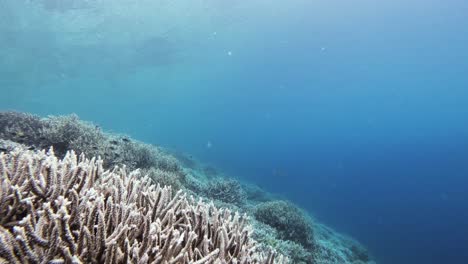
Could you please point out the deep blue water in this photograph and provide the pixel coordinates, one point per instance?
(355, 110)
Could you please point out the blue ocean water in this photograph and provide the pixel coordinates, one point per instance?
(355, 110)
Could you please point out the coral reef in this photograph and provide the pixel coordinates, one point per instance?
(290, 222)
(186, 160)
(164, 177)
(256, 194)
(226, 190)
(332, 247)
(21, 128)
(69, 132)
(276, 224)
(269, 237)
(72, 211)
(8, 145)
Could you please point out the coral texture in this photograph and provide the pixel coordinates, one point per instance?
(226, 190)
(69, 132)
(277, 225)
(72, 211)
(291, 223)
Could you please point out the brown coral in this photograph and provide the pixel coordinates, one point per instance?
(72, 211)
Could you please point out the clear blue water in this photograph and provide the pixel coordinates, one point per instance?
(355, 110)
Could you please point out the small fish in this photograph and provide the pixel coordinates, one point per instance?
(95, 148)
(3, 150)
(115, 142)
(31, 148)
(125, 140)
(112, 148)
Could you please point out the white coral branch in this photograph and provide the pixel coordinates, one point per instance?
(72, 211)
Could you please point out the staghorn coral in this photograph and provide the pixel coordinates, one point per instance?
(26, 131)
(72, 211)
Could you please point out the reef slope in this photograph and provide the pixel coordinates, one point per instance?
(275, 230)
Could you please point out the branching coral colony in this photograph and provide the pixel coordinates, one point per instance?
(72, 211)
(277, 224)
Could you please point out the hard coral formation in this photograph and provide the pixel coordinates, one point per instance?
(21, 128)
(256, 194)
(332, 247)
(164, 177)
(290, 222)
(277, 224)
(72, 211)
(69, 132)
(226, 190)
(268, 237)
(8, 145)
